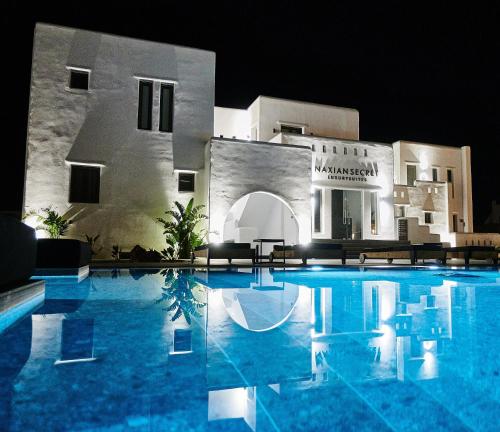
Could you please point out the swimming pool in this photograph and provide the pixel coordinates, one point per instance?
(257, 349)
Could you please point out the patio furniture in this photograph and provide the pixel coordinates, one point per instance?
(267, 240)
(412, 252)
(310, 251)
(487, 253)
(227, 251)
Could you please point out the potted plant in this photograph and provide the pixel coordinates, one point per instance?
(55, 252)
(180, 230)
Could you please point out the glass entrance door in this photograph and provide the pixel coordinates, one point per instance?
(346, 215)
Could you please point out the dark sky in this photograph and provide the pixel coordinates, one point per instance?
(416, 71)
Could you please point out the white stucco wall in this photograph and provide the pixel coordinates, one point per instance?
(231, 123)
(428, 156)
(240, 167)
(138, 181)
(267, 113)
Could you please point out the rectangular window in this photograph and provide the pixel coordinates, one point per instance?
(317, 210)
(435, 177)
(411, 174)
(345, 150)
(78, 79)
(324, 149)
(428, 217)
(145, 114)
(291, 129)
(449, 179)
(366, 152)
(334, 150)
(84, 184)
(455, 223)
(400, 211)
(166, 107)
(355, 152)
(374, 212)
(313, 147)
(186, 182)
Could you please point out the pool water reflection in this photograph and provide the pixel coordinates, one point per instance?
(259, 350)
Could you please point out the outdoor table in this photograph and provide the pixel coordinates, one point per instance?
(268, 240)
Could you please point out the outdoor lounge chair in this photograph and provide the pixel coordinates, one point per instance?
(312, 250)
(487, 253)
(227, 251)
(413, 253)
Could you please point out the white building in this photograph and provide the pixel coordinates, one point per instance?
(120, 128)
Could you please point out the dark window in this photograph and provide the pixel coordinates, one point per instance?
(324, 149)
(411, 174)
(428, 217)
(455, 223)
(366, 152)
(85, 184)
(291, 129)
(345, 150)
(449, 178)
(317, 210)
(144, 115)
(166, 107)
(186, 182)
(334, 149)
(355, 152)
(435, 174)
(78, 79)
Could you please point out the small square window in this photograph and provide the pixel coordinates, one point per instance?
(186, 182)
(78, 79)
(428, 217)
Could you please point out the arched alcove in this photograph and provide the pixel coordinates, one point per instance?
(260, 215)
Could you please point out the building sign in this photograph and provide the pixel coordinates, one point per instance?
(345, 170)
(349, 174)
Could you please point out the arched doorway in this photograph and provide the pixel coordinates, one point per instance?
(260, 215)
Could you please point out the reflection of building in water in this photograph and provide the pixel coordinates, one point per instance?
(353, 332)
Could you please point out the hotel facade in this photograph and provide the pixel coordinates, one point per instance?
(120, 128)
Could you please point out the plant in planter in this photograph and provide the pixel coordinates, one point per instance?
(180, 230)
(55, 252)
(54, 224)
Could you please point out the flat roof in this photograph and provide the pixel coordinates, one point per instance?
(44, 24)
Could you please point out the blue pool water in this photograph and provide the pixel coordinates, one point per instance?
(261, 350)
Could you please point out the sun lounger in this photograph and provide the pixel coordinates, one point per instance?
(310, 251)
(487, 253)
(413, 253)
(227, 251)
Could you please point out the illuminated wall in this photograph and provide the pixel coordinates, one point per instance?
(238, 168)
(99, 126)
(426, 157)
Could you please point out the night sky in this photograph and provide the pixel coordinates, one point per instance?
(421, 73)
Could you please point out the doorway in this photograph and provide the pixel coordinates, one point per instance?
(347, 215)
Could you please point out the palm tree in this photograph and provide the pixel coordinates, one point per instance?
(179, 230)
